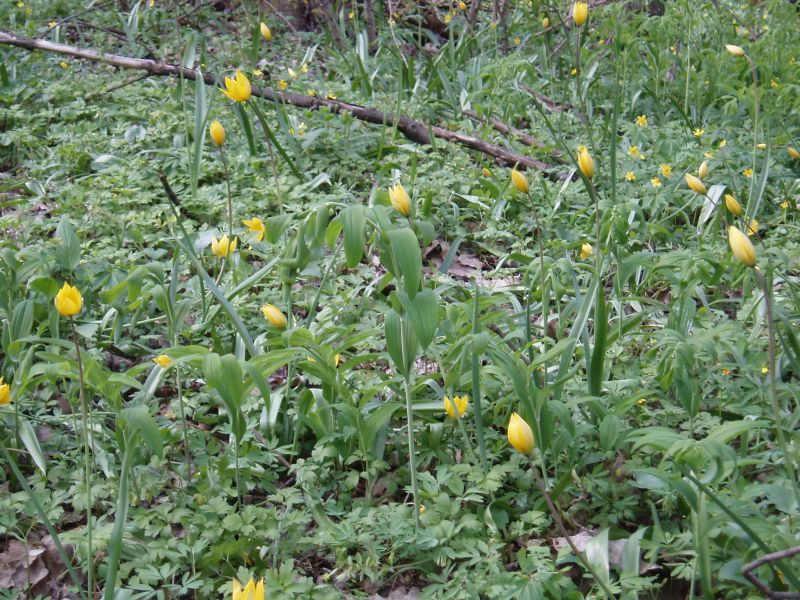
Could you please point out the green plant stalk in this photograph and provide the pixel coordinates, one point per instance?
(555, 513)
(270, 136)
(412, 458)
(578, 65)
(184, 426)
(476, 384)
(230, 198)
(788, 460)
(463, 429)
(87, 463)
(37, 505)
(756, 102)
(236, 471)
(118, 532)
(542, 276)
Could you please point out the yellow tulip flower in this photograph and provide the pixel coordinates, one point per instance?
(695, 184)
(238, 89)
(400, 200)
(5, 392)
(742, 247)
(520, 434)
(255, 225)
(580, 13)
(458, 403)
(586, 162)
(252, 591)
(68, 301)
(217, 132)
(223, 247)
(519, 181)
(274, 316)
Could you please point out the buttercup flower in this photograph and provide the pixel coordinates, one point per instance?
(400, 200)
(68, 300)
(217, 132)
(265, 32)
(274, 315)
(520, 434)
(255, 225)
(462, 6)
(163, 361)
(237, 89)
(223, 247)
(282, 84)
(666, 170)
(734, 50)
(695, 184)
(742, 247)
(633, 152)
(655, 182)
(698, 132)
(252, 591)
(519, 181)
(580, 13)
(586, 162)
(733, 205)
(641, 120)
(748, 172)
(458, 403)
(630, 176)
(5, 392)
(586, 250)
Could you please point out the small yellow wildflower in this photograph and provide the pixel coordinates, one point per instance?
(282, 84)
(722, 143)
(630, 176)
(292, 72)
(574, 71)
(773, 83)
(785, 205)
(641, 401)
(258, 72)
(633, 152)
(641, 120)
(748, 172)
(586, 250)
(655, 182)
(462, 6)
(331, 96)
(517, 41)
(709, 154)
(726, 372)
(447, 18)
(666, 170)
(52, 24)
(698, 132)
(163, 361)
(64, 64)
(764, 370)
(304, 68)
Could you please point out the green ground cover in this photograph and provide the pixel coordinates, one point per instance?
(280, 410)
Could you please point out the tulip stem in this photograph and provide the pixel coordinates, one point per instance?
(467, 442)
(541, 268)
(756, 102)
(412, 459)
(186, 452)
(87, 464)
(788, 459)
(230, 198)
(556, 514)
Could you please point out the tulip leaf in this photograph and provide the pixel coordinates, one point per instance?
(28, 437)
(224, 374)
(407, 259)
(139, 419)
(68, 252)
(354, 223)
(600, 343)
(423, 314)
(400, 342)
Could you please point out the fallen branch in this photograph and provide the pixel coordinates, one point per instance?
(507, 129)
(415, 131)
(748, 569)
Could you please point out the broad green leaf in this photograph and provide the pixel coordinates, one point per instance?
(423, 313)
(139, 419)
(354, 224)
(407, 259)
(28, 437)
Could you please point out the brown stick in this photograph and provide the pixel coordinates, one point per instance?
(507, 129)
(415, 131)
(372, 31)
(748, 569)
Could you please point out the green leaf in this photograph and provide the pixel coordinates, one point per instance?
(407, 259)
(139, 419)
(400, 342)
(28, 437)
(354, 224)
(68, 250)
(423, 314)
(374, 425)
(597, 554)
(599, 350)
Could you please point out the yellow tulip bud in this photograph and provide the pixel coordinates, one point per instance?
(68, 301)
(265, 32)
(400, 200)
(486, 172)
(734, 50)
(733, 205)
(462, 6)
(238, 89)
(163, 361)
(223, 247)
(580, 13)
(459, 403)
(520, 434)
(793, 153)
(545, 23)
(703, 170)
(761, 146)
(274, 315)
(586, 250)
(752, 227)
(586, 162)
(742, 247)
(695, 184)
(519, 181)
(5, 392)
(217, 132)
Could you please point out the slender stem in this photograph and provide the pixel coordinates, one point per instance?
(412, 457)
(87, 464)
(463, 428)
(476, 381)
(788, 459)
(578, 65)
(541, 262)
(230, 198)
(756, 100)
(236, 470)
(560, 524)
(267, 136)
(184, 426)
